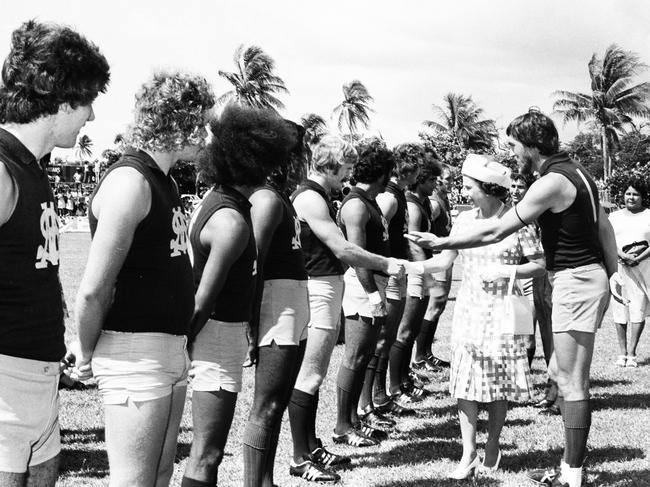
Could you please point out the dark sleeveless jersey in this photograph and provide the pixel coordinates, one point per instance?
(398, 225)
(441, 226)
(234, 303)
(319, 259)
(284, 259)
(31, 307)
(425, 219)
(376, 227)
(153, 291)
(570, 237)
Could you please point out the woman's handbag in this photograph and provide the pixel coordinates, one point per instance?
(518, 314)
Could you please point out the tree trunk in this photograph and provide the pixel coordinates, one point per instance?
(607, 169)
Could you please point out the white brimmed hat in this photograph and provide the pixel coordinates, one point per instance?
(486, 170)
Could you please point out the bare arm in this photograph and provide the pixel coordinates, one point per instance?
(8, 195)
(312, 209)
(355, 216)
(224, 233)
(541, 196)
(415, 218)
(387, 204)
(266, 215)
(122, 202)
(607, 243)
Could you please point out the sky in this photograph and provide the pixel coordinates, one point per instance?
(508, 55)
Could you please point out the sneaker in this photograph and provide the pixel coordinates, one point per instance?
(416, 393)
(437, 362)
(630, 361)
(418, 378)
(544, 476)
(372, 432)
(393, 408)
(621, 361)
(376, 419)
(325, 458)
(354, 438)
(423, 365)
(310, 470)
(403, 399)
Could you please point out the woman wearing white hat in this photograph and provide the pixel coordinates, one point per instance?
(488, 365)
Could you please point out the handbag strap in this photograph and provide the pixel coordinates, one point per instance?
(511, 281)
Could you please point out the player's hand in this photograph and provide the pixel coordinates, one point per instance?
(251, 352)
(78, 366)
(491, 273)
(425, 240)
(416, 268)
(395, 267)
(616, 288)
(377, 305)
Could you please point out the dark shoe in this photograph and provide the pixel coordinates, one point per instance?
(550, 411)
(437, 362)
(376, 419)
(310, 470)
(393, 408)
(416, 393)
(422, 366)
(544, 476)
(403, 399)
(325, 458)
(372, 432)
(419, 376)
(354, 438)
(544, 403)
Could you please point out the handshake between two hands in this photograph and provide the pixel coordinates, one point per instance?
(74, 365)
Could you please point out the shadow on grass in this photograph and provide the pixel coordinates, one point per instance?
(546, 458)
(620, 401)
(84, 462)
(438, 482)
(638, 478)
(91, 435)
(608, 382)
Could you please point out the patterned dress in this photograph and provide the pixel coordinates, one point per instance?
(488, 365)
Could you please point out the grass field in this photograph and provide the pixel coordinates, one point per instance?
(424, 448)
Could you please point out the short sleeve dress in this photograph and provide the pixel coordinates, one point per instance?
(488, 365)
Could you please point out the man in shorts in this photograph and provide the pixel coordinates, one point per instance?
(392, 203)
(50, 79)
(324, 247)
(364, 300)
(580, 251)
(439, 291)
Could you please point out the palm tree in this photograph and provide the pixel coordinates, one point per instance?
(355, 108)
(254, 82)
(315, 127)
(614, 100)
(83, 150)
(462, 119)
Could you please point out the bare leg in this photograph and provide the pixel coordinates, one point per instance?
(135, 433)
(635, 335)
(166, 467)
(11, 479)
(468, 416)
(497, 411)
(621, 336)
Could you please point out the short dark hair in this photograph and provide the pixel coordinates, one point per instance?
(429, 167)
(528, 179)
(408, 157)
(536, 130)
(49, 65)
(247, 145)
(493, 189)
(375, 161)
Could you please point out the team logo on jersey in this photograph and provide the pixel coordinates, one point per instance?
(295, 241)
(178, 244)
(49, 251)
(384, 223)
